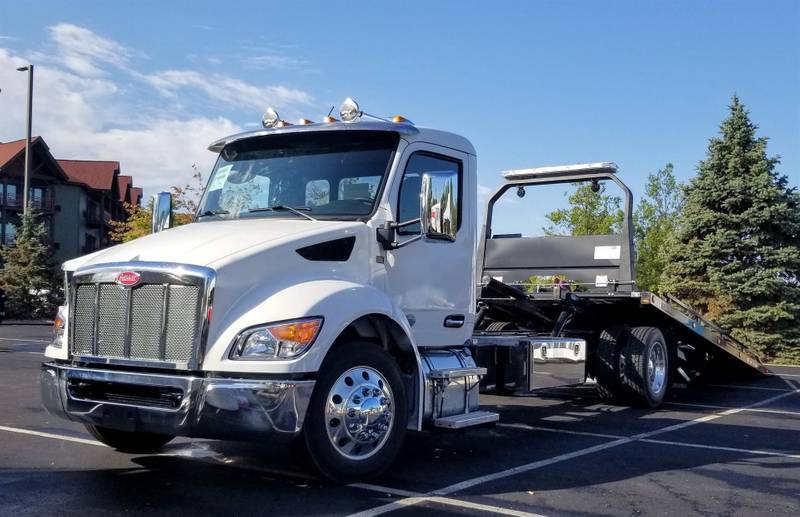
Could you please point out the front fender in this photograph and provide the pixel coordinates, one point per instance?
(339, 302)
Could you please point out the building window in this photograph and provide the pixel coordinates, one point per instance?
(10, 234)
(11, 194)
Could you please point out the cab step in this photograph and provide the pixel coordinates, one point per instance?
(463, 420)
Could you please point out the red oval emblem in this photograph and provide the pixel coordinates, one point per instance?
(128, 278)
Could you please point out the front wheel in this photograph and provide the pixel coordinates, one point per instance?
(126, 441)
(357, 416)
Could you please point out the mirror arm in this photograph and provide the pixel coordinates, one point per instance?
(387, 235)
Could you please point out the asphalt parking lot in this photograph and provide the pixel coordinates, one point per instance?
(731, 448)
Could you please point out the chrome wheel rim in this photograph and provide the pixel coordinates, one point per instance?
(359, 413)
(657, 367)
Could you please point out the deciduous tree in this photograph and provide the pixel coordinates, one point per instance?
(654, 222)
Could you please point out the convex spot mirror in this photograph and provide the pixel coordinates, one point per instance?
(439, 214)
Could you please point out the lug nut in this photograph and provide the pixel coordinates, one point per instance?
(356, 400)
(376, 392)
(351, 413)
(365, 392)
(383, 401)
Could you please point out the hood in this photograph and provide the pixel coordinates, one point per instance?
(204, 243)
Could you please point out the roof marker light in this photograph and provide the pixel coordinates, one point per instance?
(400, 119)
(328, 119)
(305, 122)
(270, 118)
(350, 111)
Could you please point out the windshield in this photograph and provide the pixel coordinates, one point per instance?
(335, 175)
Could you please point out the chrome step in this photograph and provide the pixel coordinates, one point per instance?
(456, 373)
(463, 420)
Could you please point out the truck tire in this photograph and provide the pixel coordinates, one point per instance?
(356, 419)
(126, 441)
(608, 369)
(646, 366)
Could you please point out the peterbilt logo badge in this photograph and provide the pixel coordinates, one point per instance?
(128, 278)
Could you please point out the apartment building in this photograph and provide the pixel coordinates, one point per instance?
(77, 199)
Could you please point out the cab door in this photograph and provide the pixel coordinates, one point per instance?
(432, 279)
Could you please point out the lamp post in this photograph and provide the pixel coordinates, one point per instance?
(26, 178)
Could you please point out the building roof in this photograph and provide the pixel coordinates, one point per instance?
(123, 183)
(10, 150)
(96, 174)
(136, 193)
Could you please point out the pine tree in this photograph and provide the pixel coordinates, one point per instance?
(736, 250)
(27, 277)
(654, 223)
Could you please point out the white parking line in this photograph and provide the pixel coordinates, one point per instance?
(590, 450)
(526, 427)
(752, 410)
(740, 387)
(385, 489)
(41, 434)
(482, 507)
(661, 442)
(410, 501)
(756, 452)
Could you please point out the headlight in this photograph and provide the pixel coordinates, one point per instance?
(284, 340)
(59, 324)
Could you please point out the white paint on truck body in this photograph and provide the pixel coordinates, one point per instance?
(260, 278)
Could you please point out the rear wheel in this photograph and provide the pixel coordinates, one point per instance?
(608, 366)
(357, 416)
(126, 441)
(646, 358)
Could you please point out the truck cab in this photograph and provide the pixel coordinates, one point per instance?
(323, 259)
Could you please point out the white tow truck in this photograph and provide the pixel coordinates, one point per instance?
(335, 288)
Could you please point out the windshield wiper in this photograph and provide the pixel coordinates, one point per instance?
(207, 213)
(293, 209)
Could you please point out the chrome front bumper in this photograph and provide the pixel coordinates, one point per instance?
(207, 407)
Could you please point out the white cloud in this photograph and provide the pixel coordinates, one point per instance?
(86, 107)
(276, 61)
(226, 89)
(83, 51)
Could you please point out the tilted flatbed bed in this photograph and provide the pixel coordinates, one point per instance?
(600, 304)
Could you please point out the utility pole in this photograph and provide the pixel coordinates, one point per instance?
(26, 178)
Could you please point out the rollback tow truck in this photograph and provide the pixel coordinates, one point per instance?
(335, 289)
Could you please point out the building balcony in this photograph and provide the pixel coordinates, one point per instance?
(97, 217)
(15, 202)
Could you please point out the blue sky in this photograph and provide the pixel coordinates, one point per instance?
(530, 83)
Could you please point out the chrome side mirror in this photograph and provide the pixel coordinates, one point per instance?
(439, 214)
(162, 212)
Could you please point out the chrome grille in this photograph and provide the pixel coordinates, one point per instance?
(111, 323)
(158, 320)
(83, 312)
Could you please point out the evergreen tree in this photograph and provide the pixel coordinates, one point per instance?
(736, 250)
(654, 223)
(591, 212)
(27, 277)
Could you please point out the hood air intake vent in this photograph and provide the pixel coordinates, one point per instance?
(337, 250)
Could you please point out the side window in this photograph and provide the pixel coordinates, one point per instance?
(318, 192)
(411, 186)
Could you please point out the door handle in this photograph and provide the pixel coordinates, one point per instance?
(454, 321)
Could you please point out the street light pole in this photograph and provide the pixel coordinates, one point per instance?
(28, 122)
